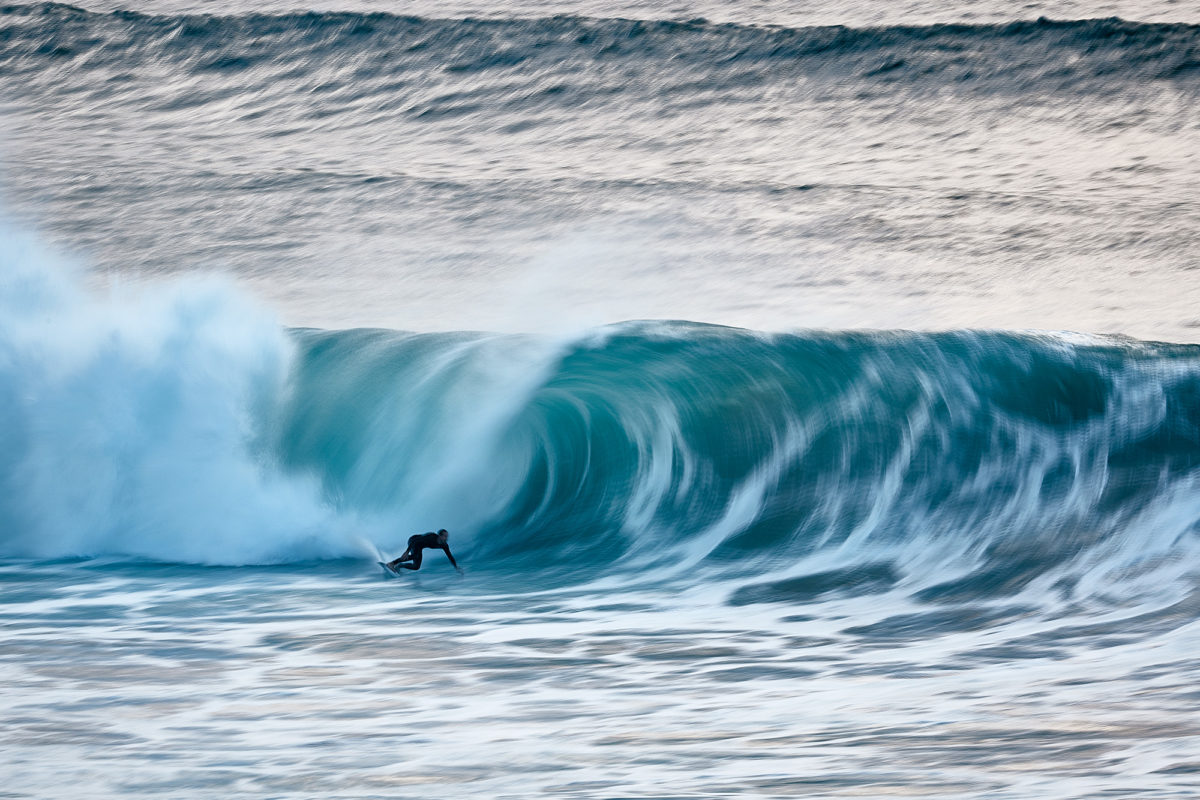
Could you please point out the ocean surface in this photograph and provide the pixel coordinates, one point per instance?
(811, 391)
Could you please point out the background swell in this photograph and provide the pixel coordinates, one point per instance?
(1023, 55)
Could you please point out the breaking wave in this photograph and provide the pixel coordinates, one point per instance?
(181, 423)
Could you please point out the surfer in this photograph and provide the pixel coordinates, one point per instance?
(411, 559)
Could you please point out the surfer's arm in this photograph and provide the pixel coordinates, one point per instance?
(453, 563)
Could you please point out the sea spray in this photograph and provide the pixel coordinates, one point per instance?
(137, 423)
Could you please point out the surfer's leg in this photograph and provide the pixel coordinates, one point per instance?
(416, 561)
(400, 561)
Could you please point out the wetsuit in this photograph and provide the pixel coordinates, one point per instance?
(420, 542)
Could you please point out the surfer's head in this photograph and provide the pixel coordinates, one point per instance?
(443, 535)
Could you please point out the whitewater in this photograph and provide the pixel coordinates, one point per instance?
(811, 392)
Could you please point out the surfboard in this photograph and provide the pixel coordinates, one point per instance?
(388, 570)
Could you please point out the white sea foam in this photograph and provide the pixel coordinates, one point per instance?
(137, 423)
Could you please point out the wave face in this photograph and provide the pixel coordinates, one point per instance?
(857, 458)
(371, 48)
(181, 424)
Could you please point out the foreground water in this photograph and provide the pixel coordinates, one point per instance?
(324, 680)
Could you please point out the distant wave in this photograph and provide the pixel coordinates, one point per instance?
(1051, 55)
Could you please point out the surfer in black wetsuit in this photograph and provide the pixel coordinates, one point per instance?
(412, 556)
